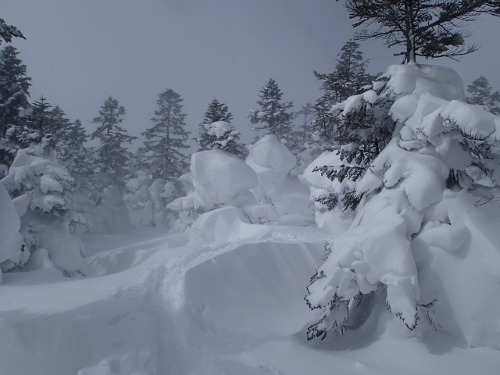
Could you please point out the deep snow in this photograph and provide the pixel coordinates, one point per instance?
(164, 304)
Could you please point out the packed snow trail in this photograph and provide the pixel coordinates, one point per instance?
(165, 305)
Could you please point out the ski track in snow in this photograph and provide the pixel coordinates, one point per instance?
(161, 305)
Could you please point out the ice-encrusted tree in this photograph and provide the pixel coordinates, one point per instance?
(14, 94)
(348, 78)
(167, 139)
(275, 115)
(427, 28)
(112, 153)
(438, 168)
(481, 93)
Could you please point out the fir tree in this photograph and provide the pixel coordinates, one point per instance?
(348, 78)
(480, 93)
(274, 115)
(112, 154)
(217, 111)
(14, 93)
(167, 138)
(216, 131)
(428, 28)
(7, 32)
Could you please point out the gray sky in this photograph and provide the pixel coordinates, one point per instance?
(78, 52)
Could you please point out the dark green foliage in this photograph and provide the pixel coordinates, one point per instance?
(428, 28)
(274, 115)
(112, 155)
(165, 140)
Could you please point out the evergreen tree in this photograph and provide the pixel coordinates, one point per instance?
(348, 78)
(14, 93)
(216, 131)
(167, 138)
(480, 93)
(428, 28)
(7, 32)
(307, 113)
(43, 190)
(359, 137)
(112, 154)
(217, 111)
(274, 115)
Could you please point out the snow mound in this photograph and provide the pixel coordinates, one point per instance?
(272, 162)
(11, 253)
(225, 225)
(218, 178)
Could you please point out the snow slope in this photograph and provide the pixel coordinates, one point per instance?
(156, 304)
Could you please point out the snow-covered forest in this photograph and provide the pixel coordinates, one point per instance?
(357, 233)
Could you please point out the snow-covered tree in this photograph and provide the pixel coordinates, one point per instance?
(420, 195)
(167, 138)
(274, 115)
(348, 78)
(14, 93)
(216, 131)
(112, 153)
(217, 111)
(42, 192)
(7, 32)
(480, 93)
(428, 28)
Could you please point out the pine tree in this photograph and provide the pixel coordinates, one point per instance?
(167, 138)
(112, 154)
(427, 28)
(7, 32)
(307, 112)
(14, 93)
(274, 115)
(216, 131)
(480, 93)
(348, 78)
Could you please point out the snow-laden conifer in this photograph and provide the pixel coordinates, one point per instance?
(167, 139)
(112, 153)
(420, 197)
(274, 115)
(480, 92)
(41, 189)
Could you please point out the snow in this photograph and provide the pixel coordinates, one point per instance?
(11, 239)
(226, 296)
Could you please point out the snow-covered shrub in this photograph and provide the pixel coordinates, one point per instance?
(220, 135)
(218, 179)
(272, 162)
(425, 232)
(41, 191)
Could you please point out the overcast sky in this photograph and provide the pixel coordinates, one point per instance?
(79, 52)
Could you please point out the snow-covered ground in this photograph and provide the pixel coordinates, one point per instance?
(164, 304)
